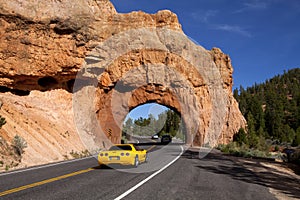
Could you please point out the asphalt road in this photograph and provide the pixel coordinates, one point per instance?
(213, 177)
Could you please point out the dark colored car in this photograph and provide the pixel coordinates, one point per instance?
(165, 139)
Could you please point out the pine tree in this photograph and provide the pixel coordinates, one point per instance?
(240, 137)
(252, 137)
(296, 141)
(128, 126)
(274, 105)
(2, 121)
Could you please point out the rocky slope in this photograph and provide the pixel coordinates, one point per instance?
(43, 47)
(44, 120)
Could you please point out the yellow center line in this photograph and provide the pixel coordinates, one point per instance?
(50, 180)
(44, 182)
(150, 148)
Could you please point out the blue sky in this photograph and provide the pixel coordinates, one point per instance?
(146, 109)
(262, 37)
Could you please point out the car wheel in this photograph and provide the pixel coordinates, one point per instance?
(136, 161)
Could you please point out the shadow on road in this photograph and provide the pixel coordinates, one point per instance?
(157, 143)
(113, 166)
(265, 173)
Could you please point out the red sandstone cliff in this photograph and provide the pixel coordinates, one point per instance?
(44, 45)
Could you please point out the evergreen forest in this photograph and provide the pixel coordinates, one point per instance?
(272, 111)
(167, 122)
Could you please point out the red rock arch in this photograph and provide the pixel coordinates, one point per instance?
(149, 90)
(130, 64)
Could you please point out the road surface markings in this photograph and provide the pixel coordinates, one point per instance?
(44, 182)
(44, 166)
(50, 180)
(54, 164)
(150, 148)
(148, 178)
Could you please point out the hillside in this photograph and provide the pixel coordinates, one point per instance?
(272, 108)
(45, 121)
(64, 67)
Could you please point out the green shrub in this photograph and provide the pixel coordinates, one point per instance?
(220, 146)
(19, 144)
(233, 148)
(124, 139)
(85, 153)
(230, 148)
(75, 154)
(2, 121)
(240, 137)
(82, 154)
(296, 141)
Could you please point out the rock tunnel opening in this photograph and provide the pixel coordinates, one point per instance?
(148, 122)
(112, 109)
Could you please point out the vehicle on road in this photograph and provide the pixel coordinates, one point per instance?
(154, 137)
(165, 139)
(124, 154)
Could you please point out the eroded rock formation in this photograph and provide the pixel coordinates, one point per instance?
(117, 62)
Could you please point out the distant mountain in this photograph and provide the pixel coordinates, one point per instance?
(272, 109)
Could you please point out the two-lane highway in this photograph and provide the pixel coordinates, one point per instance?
(166, 176)
(82, 179)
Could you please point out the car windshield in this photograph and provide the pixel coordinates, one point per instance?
(137, 148)
(123, 147)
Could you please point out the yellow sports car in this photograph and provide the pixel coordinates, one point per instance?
(124, 154)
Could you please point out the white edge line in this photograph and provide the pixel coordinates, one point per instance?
(148, 178)
(43, 166)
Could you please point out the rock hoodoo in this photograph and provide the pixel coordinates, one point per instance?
(83, 53)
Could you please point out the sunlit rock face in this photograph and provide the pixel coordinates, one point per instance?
(117, 62)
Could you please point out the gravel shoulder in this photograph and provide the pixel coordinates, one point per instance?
(281, 178)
